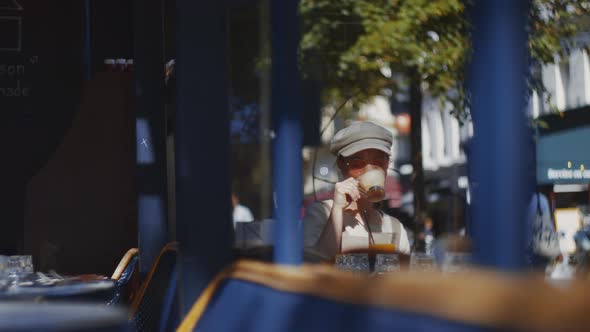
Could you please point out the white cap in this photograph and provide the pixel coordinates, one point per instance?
(129, 61)
(361, 136)
(121, 61)
(109, 61)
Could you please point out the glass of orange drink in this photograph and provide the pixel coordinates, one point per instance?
(384, 243)
(381, 243)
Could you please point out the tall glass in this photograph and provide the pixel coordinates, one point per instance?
(381, 243)
(358, 263)
(386, 263)
(455, 262)
(384, 243)
(19, 267)
(4, 281)
(420, 261)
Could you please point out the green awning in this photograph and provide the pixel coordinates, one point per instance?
(564, 156)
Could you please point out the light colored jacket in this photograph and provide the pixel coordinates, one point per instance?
(355, 234)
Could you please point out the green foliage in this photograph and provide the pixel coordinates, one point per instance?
(552, 24)
(352, 46)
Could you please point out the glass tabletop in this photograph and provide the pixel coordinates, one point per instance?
(62, 289)
(64, 316)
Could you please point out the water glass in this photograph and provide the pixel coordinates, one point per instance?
(18, 267)
(3, 265)
(4, 281)
(455, 262)
(420, 261)
(386, 263)
(358, 263)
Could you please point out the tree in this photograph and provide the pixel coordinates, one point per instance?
(357, 48)
(357, 43)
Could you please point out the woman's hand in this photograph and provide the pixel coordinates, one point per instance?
(346, 192)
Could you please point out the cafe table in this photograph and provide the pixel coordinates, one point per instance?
(63, 316)
(98, 290)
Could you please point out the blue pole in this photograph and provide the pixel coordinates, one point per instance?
(202, 146)
(150, 133)
(500, 153)
(286, 108)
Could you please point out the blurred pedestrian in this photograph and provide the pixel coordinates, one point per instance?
(428, 235)
(241, 213)
(543, 240)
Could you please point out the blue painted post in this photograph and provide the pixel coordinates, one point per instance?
(203, 207)
(499, 154)
(287, 110)
(150, 135)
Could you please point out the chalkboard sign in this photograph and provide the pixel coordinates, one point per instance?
(13, 73)
(11, 33)
(10, 25)
(41, 45)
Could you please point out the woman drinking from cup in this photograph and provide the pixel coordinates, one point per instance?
(350, 221)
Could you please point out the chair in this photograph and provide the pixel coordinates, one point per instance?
(255, 296)
(126, 278)
(154, 308)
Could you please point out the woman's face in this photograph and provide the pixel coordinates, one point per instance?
(360, 162)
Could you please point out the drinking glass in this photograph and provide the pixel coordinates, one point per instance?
(4, 281)
(3, 265)
(18, 267)
(420, 261)
(358, 263)
(386, 263)
(384, 243)
(455, 262)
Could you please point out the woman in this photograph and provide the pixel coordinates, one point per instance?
(349, 221)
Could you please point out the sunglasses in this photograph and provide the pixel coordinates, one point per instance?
(359, 163)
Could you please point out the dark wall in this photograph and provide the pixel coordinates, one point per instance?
(111, 30)
(80, 208)
(40, 79)
(41, 84)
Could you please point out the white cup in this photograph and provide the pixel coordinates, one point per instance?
(372, 182)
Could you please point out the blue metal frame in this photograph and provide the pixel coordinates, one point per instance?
(150, 134)
(287, 110)
(499, 156)
(203, 209)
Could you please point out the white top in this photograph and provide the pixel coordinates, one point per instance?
(242, 214)
(355, 233)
